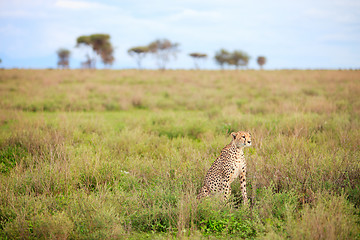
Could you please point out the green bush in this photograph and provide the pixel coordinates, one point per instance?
(214, 217)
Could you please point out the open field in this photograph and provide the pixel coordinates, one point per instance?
(122, 154)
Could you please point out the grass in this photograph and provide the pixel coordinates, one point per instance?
(122, 154)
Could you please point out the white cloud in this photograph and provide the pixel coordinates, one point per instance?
(187, 14)
(23, 14)
(318, 13)
(25, 3)
(339, 38)
(80, 5)
(340, 12)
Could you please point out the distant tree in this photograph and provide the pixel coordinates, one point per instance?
(222, 57)
(239, 58)
(197, 57)
(138, 53)
(101, 46)
(163, 50)
(107, 55)
(85, 41)
(63, 55)
(261, 60)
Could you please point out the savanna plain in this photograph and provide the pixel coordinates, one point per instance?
(122, 154)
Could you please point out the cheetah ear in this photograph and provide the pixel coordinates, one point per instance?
(234, 134)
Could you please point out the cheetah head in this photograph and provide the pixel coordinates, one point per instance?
(241, 139)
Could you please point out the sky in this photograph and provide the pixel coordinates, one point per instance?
(307, 34)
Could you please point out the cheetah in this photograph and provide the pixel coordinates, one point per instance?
(227, 167)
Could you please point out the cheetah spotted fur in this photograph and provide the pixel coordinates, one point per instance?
(227, 167)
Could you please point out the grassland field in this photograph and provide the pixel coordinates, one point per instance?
(121, 154)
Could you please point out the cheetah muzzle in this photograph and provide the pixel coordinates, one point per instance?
(227, 167)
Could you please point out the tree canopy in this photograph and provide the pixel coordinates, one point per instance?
(63, 56)
(197, 56)
(222, 57)
(239, 58)
(101, 45)
(236, 58)
(163, 50)
(138, 53)
(261, 60)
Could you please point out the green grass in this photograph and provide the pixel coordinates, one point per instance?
(123, 154)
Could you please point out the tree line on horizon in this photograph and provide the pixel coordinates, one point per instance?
(163, 50)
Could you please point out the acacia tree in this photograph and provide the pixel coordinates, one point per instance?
(101, 46)
(197, 57)
(85, 41)
(163, 50)
(261, 60)
(239, 58)
(222, 57)
(138, 53)
(63, 55)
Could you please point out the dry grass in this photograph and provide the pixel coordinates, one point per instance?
(253, 92)
(122, 154)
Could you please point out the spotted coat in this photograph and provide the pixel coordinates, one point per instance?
(227, 167)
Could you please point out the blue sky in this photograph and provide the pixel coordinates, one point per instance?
(291, 34)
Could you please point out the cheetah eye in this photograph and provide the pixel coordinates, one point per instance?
(243, 136)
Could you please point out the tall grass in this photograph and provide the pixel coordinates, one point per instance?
(122, 154)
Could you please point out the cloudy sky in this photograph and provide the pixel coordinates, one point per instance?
(291, 34)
